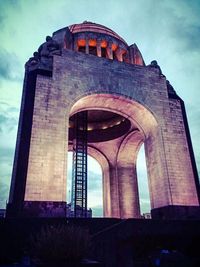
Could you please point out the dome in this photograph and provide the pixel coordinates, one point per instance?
(88, 26)
(88, 38)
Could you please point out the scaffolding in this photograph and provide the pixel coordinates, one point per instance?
(79, 170)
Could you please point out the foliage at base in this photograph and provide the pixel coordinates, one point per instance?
(60, 244)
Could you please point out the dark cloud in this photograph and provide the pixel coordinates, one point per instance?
(188, 36)
(192, 5)
(10, 67)
(8, 117)
(182, 24)
(168, 27)
(5, 8)
(9, 4)
(7, 123)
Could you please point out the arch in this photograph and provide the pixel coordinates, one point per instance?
(128, 108)
(121, 197)
(58, 80)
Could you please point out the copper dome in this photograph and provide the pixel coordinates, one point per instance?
(88, 26)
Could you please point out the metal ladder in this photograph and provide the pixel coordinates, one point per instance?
(79, 173)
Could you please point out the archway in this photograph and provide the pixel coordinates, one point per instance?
(121, 198)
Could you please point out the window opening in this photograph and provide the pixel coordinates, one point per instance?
(93, 50)
(103, 52)
(114, 55)
(81, 49)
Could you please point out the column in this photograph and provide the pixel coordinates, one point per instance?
(128, 191)
(114, 194)
(76, 45)
(99, 48)
(86, 46)
(119, 54)
(106, 193)
(109, 51)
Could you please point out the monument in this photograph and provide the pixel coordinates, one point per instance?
(87, 90)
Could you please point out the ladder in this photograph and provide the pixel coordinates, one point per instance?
(79, 170)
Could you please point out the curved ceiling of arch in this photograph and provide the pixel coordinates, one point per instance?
(139, 116)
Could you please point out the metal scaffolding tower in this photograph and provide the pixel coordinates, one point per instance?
(79, 173)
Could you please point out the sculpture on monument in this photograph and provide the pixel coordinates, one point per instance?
(89, 69)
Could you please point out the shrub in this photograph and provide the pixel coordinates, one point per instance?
(54, 244)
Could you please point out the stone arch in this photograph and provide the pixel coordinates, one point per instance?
(59, 78)
(120, 104)
(122, 177)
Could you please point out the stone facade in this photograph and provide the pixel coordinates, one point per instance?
(65, 81)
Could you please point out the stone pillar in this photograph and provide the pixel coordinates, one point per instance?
(159, 184)
(87, 46)
(127, 176)
(47, 159)
(76, 45)
(135, 55)
(114, 194)
(99, 48)
(109, 51)
(106, 193)
(131, 54)
(128, 191)
(119, 54)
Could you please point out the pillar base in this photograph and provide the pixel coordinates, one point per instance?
(44, 209)
(38, 209)
(176, 213)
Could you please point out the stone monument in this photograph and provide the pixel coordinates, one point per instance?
(88, 67)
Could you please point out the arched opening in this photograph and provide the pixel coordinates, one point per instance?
(104, 52)
(115, 55)
(81, 49)
(93, 50)
(134, 125)
(143, 186)
(81, 45)
(95, 192)
(93, 47)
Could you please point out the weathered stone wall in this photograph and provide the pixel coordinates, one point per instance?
(47, 157)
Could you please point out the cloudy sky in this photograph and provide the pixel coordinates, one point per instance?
(165, 30)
